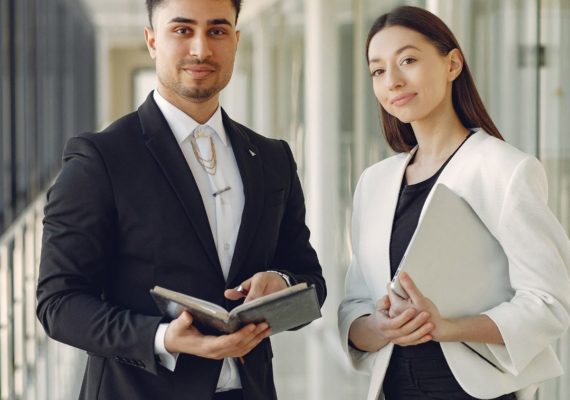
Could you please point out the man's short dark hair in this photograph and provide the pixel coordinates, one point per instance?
(152, 4)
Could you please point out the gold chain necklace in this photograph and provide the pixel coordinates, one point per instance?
(209, 164)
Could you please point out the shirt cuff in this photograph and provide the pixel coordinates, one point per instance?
(166, 359)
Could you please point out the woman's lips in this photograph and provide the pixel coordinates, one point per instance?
(402, 99)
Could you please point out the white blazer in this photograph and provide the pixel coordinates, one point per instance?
(508, 190)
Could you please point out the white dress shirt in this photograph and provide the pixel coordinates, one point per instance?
(224, 210)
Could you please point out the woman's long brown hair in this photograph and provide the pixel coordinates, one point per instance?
(465, 97)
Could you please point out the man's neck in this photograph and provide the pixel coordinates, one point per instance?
(200, 112)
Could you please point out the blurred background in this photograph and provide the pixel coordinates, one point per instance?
(68, 66)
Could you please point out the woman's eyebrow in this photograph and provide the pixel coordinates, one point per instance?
(400, 50)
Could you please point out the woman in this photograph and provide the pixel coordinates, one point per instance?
(434, 118)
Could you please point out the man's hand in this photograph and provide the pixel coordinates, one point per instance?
(183, 337)
(260, 284)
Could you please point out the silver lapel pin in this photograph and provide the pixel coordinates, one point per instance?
(252, 153)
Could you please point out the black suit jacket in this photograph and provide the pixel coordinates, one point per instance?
(125, 214)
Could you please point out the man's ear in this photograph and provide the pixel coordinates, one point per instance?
(455, 64)
(150, 40)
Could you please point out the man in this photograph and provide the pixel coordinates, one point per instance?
(177, 195)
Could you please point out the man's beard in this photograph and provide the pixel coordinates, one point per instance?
(197, 95)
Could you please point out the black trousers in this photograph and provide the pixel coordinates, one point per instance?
(229, 395)
(424, 378)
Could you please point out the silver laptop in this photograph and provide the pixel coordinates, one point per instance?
(454, 259)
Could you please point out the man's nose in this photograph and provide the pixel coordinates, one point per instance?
(200, 48)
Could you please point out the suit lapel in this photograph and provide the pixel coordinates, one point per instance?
(250, 167)
(163, 146)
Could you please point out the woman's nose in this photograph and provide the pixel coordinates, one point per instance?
(393, 79)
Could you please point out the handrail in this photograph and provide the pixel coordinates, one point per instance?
(32, 366)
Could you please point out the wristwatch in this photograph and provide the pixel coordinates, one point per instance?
(285, 277)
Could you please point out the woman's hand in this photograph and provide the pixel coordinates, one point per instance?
(420, 303)
(476, 328)
(374, 331)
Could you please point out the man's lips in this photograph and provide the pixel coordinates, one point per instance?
(199, 71)
(402, 99)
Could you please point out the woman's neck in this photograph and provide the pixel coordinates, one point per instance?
(436, 143)
(437, 140)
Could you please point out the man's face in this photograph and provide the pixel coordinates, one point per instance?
(194, 43)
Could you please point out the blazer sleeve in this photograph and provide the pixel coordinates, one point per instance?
(294, 254)
(76, 264)
(538, 253)
(358, 300)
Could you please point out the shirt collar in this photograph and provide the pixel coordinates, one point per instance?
(182, 125)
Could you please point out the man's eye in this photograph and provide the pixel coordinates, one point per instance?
(217, 32)
(182, 31)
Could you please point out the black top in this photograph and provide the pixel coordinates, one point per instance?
(410, 203)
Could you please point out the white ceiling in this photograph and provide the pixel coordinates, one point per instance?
(121, 22)
(131, 16)
(113, 18)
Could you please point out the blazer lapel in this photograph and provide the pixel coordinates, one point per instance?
(382, 199)
(162, 144)
(250, 167)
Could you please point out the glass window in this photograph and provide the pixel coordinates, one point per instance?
(554, 99)
(554, 140)
(6, 132)
(3, 116)
(500, 40)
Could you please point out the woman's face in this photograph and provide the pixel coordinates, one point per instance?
(411, 79)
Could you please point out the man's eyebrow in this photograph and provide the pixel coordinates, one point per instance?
(215, 21)
(400, 50)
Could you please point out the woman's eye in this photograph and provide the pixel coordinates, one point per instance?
(408, 60)
(377, 72)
